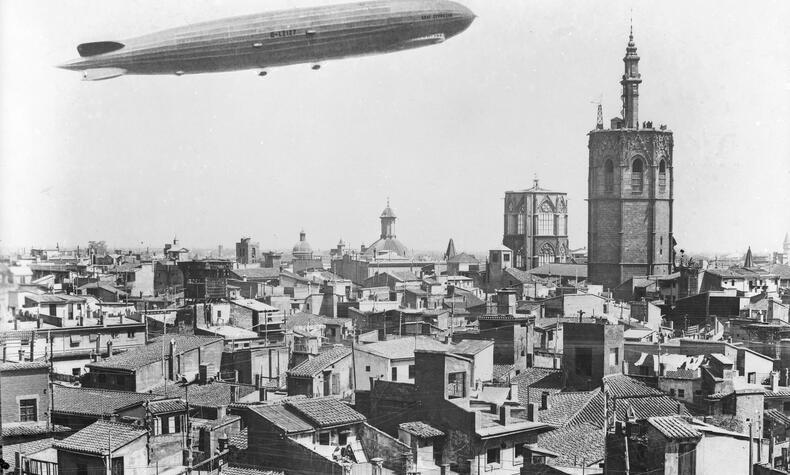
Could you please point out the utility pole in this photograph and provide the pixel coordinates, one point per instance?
(751, 448)
(50, 383)
(188, 430)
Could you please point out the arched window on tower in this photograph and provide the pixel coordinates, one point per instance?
(662, 176)
(546, 254)
(637, 176)
(608, 177)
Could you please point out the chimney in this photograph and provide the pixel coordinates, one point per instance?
(513, 392)
(82, 321)
(504, 415)
(33, 346)
(109, 348)
(774, 380)
(531, 412)
(544, 400)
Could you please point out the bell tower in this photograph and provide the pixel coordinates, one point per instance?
(630, 191)
(630, 82)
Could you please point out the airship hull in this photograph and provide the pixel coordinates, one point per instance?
(282, 38)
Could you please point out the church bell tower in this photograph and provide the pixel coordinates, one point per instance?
(630, 191)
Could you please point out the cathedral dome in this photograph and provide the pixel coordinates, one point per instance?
(302, 249)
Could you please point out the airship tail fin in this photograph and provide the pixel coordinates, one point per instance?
(100, 74)
(98, 47)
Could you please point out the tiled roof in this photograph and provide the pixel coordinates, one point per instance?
(532, 382)
(622, 386)
(304, 319)
(23, 366)
(97, 437)
(502, 371)
(563, 406)
(781, 391)
(325, 411)
(673, 427)
(204, 395)
(152, 352)
(403, 348)
(24, 448)
(248, 471)
(574, 445)
(420, 429)
(285, 420)
(93, 402)
(24, 429)
(471, 347)
(774, 415)
(167, 406)
(317, 364)
(563, 270)
(682, 374)
(239, 440)
(257, 273)
(642, 408)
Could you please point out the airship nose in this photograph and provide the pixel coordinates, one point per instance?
(72, 65)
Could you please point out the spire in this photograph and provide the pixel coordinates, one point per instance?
(450, 252)
(599, 119)
(748, 261)
(630, 82)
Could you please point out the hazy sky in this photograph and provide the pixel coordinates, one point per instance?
(442, 130)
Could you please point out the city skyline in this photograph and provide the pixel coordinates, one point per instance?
(148, 151)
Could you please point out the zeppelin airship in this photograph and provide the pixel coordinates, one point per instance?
(277, 38)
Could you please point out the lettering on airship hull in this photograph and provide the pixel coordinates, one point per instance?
(437, 16)
(283, 33)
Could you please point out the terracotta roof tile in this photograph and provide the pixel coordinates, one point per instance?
(673, 427)
(420, 429)
(152, 352)
(285, 420)
(94, 402)
(622, 386)
(583, 442)
(317, 364)
(325, 411)
(97, 437)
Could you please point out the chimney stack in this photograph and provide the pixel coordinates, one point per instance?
(109, 348)
(504, 415)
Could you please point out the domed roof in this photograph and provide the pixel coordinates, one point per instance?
(387, 244)
(388, 212)
(302, 246)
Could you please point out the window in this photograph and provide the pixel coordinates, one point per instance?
(545, 224)
(505, 257)
(412, 372)
(494, 257)
(171, 425)
(614, 356)
(117, 466)
(662, 176)
(493, 455)
(546, 254)
(681, 393)
(672, 392)
(394, 374)
(522, 224)
(608, 177)
(456, 385)
(367, 368)
(520, 452)
(342, 437)
(752, 378)
(76, 371)
(28, 410)
(637, 178)
(130, 334)
(323, 438)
